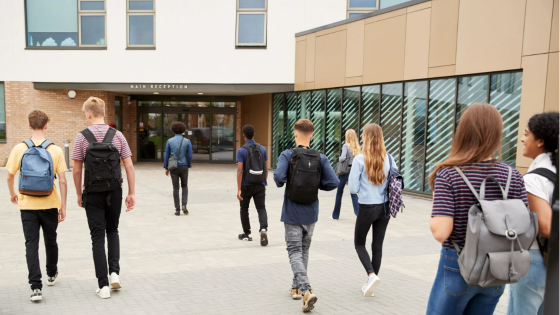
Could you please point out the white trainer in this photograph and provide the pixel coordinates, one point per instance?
(115, 281)
(104, 292)
(370, 286)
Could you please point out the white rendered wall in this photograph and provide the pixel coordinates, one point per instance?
(195, 43)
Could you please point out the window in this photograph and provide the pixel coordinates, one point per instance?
(141, 23)
(251, 23)
(359, 7)
(389, 3)
(118, 112)
(52, 23)
(92, 22)
(2, 114)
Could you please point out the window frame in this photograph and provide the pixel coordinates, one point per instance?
(361, 10)
(251, 11)
(140, 13)
(91, 13)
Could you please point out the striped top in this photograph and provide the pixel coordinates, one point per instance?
(453, 198)
(99, 131)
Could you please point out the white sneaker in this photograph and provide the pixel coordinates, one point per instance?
(370, 286)
(104, 293)
(115, 281)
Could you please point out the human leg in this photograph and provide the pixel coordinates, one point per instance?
(49, 223)
(31, 225)
(95, 212)
(184, 174)
(378, 229)
(112, 216)
(361, 230)
(527, 296)
(246, 194)
(294, 246)
(175, 181)
(339, 192)
(485, 301)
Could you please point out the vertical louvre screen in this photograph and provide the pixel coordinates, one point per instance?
(305, 102)
(351, 111)
(505, 95)
(318, 119)
(391, 118)
(334, 105)
(292, 116)
(440, 124)
(414, 119)
(471, 90)
(277, 127)
(370, 106)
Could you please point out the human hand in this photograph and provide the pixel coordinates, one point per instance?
(61, 214)
(130, 202)
(166, 172)
(14, 198)
(239, 196)
(79, 200)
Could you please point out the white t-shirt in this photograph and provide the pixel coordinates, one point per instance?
(538, 185)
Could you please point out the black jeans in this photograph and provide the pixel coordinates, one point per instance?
(33, 221)
(258, 193)
(103, 211)
(370, 216)
(182, 173)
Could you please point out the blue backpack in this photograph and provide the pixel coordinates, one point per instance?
(36, 174)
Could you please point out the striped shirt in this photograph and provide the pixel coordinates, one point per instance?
(453, 198)
(99, 131)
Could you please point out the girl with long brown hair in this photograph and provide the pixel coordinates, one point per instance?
(349, 150)
(368, 179)
(477, 140)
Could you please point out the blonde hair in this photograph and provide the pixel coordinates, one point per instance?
(95, 106)
(374, 153)
(352, 142)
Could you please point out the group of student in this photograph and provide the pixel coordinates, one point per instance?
(303, 170)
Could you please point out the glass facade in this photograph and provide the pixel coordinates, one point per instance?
(419, 118)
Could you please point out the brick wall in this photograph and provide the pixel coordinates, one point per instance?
(67, 118)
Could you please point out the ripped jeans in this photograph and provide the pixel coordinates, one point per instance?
(298, 241)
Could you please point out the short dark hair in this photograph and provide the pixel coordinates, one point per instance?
(249, 131)
(178, 127)
(304, 126)
(38, 119)
(545, 127)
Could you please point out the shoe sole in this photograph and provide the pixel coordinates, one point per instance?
(370, 291)
(115, 286)
(185, 212)
(36, 298)
(296, 297)
(264, 239)
(310, 304)
(51, 283)
(177, 214)
(103, 297)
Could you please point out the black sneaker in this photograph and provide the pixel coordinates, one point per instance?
(264, 238)
(245, 237)
(36, 296)
(185, 211)
(177, 212)
(51, 280)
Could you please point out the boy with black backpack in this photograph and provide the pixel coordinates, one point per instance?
(100, 149)
(38, 161)
(304, 171)
(251, 183)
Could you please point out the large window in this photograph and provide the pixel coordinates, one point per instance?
(251, 23)
(65, 23)
(2, 114)
(358, 7)
(419, 118)
(141, 23)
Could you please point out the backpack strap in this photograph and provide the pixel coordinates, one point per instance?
(506, 192)
(546, 173)
(29, 143)
(109, 135)
(483, 187)
(466, 180)
(46, 144)
(88, 135)
(180, 146)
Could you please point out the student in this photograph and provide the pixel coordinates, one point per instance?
(299, 219)
(368, 178)
(540, 143)
(37, 212)
(477, 139)
(251, 183)
(181, 148)
(349, 150)
(102, 197)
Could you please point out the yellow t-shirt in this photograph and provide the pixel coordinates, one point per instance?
(59, 166)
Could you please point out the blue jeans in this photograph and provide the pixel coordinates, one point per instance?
(336, 212)
(527, 296)
(452, 295)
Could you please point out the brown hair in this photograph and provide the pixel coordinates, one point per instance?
(178, 127)
(38, 119)
(478, 137)
(95, 106)
(304, 126)
(374, 153)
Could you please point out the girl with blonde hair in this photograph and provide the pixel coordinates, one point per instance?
(368, 178)
(349, 150)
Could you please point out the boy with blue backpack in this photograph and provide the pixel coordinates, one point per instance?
(38, 162)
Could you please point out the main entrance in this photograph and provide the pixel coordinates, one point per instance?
(210, 128)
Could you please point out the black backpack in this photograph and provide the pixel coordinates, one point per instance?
(102, 163)
(254, 168)
(304, 175)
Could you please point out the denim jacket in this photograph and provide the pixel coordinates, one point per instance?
(185, 156)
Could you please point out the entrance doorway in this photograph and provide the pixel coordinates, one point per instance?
(210, 129)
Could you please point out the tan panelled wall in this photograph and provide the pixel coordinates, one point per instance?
(257, 111)
(441, 38)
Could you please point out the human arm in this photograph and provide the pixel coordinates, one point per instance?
(544, 213)
(441, 228)
(130, 200)
(12, 166)
(443, 208)
(280, 175)
(63, 184)
(344, 153)
(13, 194)
(77, 175)
(239, 179)
(329, 180)
(355, 176)
(189, 154)
(166, 156)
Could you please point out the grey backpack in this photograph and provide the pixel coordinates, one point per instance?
(499, 235)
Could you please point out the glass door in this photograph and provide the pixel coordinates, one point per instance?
(149, 136)
(198, 132)
(223, 137)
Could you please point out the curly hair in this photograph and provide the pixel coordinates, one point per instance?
(249, 131)
(545, 127)
(178, 127)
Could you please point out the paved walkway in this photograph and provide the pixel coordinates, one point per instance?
(195, 264)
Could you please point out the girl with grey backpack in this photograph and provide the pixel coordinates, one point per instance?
(481, 218)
